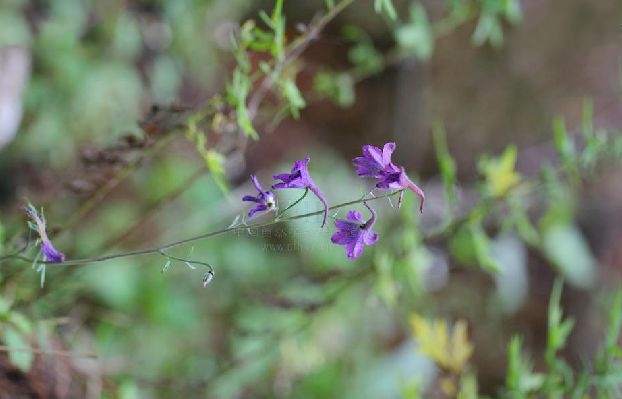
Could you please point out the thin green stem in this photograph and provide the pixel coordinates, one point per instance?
(293, 204)
(160, 249)
(186, 261)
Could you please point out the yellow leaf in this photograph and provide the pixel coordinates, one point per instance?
(500, 174)
(433, 340)
(461, 348)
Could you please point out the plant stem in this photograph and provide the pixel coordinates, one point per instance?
(160, 249)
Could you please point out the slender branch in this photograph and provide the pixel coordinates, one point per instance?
(293, 205)
(293, 51)
(160, 249)
(186, 261)
(100, 194)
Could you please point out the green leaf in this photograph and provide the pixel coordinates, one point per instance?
(488, 29)
(516, 365)
(446, 164)
(416, 36)
(386, 7)
(41, 270)
(481, 244)
(293, 96)
(237, 94)
(215, 162)
(363, 55)
(513, 11)
(471, 245)
(339, 87)
(615, 322)
(565, 148)
(558, 329)
(461, 247)
(565, 246)
(19, 349)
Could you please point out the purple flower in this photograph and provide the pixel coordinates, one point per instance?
(354, 233)
(50, 253)
(299, 178)
(376, 163)
(265, 199)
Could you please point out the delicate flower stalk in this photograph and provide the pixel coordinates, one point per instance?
(50, 253)
(354, 233)
(158, 250)
(265, 200)
(377, 164)
(299, 177)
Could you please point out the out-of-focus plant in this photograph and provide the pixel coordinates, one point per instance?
(267, 310)
(450, 350)
(601, 378)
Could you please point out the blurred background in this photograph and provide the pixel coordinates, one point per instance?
(89, 93)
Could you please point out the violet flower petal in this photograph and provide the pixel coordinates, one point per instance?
(354, 234)
(299, 177)
(50, 253)
(377, 164)
(264, 199)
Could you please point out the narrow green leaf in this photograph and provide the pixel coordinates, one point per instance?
(266, 19)
(515, 364)
(565, 148)
(446, 163)
(558, 329)
(215, 162)
(615, 322)
(488, 29)
(41, 270)
(386, 7)
(293, 96)
(277, 12)
(481, 245)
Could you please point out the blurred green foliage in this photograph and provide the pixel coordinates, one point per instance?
(287, 315)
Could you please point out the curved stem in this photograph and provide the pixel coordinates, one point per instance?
(293, 204)
(19, 251)
(196, 262)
